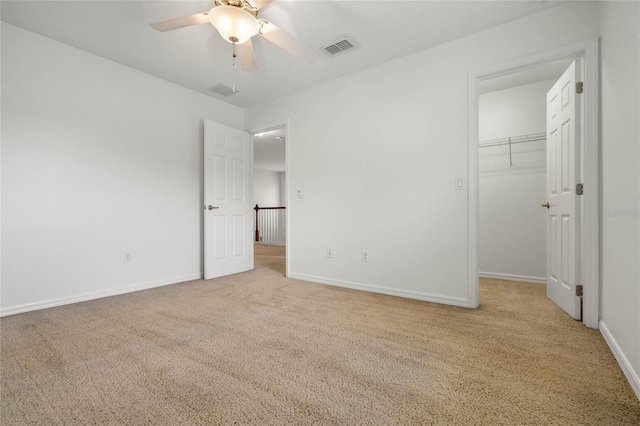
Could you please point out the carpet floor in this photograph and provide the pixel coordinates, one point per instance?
(258, 348)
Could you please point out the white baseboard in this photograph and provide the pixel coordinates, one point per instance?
(627, 369)
(455, 301)
(12, 310)
(510, 277)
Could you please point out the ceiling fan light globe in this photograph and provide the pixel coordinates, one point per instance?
(235, 25)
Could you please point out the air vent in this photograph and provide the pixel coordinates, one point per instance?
(339, 46)
(222, 89)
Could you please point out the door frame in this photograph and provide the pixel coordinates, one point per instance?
(589, 258)
(265, 128)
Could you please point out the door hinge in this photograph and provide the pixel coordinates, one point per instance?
(579, 87)
(579, 290)
(579, 189)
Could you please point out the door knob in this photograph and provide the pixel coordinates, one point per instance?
(544, 205)
(210, 207)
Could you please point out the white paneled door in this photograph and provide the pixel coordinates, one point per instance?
(563, 137)
(228, 220)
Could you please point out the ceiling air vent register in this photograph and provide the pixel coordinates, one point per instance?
(222, 89)
(340, 46)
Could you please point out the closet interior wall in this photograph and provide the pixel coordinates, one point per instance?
(512, 182)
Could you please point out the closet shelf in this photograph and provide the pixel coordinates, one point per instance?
(533, 137)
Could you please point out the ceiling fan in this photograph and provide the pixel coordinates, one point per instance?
(237, 23)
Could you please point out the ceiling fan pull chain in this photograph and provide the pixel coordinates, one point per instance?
(233, 70)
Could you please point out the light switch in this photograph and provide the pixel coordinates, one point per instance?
(300, 193)
(459, 186)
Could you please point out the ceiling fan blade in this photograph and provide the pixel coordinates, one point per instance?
(185, 21)
(245, 54)
(283, 40)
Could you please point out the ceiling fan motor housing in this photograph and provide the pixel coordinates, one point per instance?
(242, 4)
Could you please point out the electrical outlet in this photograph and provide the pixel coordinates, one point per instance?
(365, 256)
(300, 193)
(128, 257)
(329, 253)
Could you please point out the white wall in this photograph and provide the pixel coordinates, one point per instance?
(97, 159)
(283, 189)
(620, 292)
(512, 225)
(381, 176)
(266, 188)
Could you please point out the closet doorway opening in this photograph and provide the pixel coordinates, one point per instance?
(270, 223)
(514, 152)
(512, 169)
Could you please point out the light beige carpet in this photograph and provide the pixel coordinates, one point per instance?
(257, 348)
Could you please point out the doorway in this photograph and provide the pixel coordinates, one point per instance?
(270, 189)
(589, 160)
(512, 175)
(513, 237)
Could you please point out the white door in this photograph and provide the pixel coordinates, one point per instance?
(563, 137)
(228, 220)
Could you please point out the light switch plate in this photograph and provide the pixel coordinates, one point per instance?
(459, 185)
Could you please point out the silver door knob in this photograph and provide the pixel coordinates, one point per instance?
(210, 207)
(544, 205)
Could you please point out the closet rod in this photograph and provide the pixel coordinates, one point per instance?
(533, 137)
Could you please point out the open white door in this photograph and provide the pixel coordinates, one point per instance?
(228, 172)
(563, 136)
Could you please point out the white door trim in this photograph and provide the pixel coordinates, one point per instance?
(265, 128)
(589, 168)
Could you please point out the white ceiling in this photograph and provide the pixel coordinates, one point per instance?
(198, 58)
